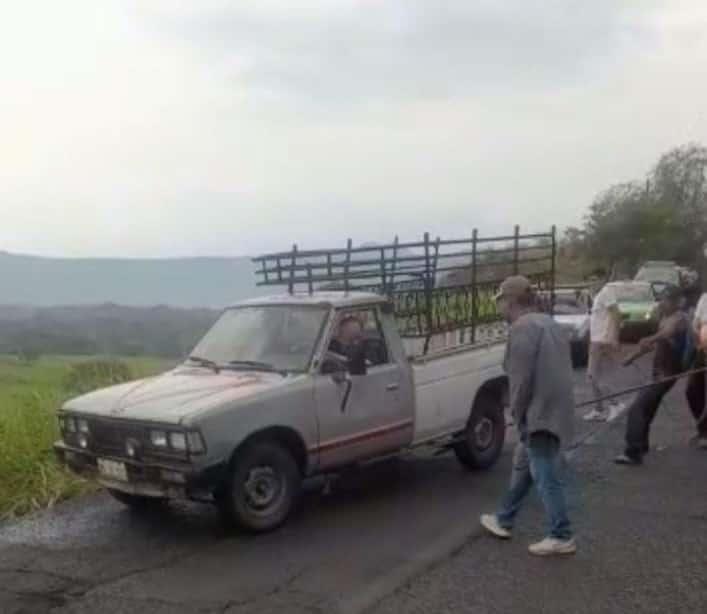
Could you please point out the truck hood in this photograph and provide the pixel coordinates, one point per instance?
(169, 397)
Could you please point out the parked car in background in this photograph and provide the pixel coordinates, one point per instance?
(572, 313)
(638, 308)
(660, 273)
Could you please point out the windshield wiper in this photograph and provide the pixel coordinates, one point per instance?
(255, 364)
(205, 362)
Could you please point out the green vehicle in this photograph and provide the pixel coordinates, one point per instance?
(659, 273)
(638, 307)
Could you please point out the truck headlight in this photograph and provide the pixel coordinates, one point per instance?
(158, 439)
(195, 442)
(82, 425)
(70, 424)
(178, 442)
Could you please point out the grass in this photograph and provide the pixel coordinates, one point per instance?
(30, 394)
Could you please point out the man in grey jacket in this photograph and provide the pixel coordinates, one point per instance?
(539, 370)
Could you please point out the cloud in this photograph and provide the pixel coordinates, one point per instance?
(215, 127)
(358, 52)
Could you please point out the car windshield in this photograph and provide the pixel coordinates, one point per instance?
(569, 306)
(633, 293)
(276, 337)
(658, 274)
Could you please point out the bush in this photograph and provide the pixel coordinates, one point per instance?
(93, 374)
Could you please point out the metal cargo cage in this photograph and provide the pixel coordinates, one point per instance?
(435, 285)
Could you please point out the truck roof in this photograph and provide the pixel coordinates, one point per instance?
(325, 299)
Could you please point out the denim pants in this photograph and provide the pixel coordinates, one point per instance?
(538, 461)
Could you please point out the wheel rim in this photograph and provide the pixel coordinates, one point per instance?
(264, 489)
(483, 434)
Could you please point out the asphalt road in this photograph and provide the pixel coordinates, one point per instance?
(397, 537)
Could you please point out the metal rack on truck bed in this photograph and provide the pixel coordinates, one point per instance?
(436, 286)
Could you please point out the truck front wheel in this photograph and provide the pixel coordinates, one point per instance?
(482, 440)
(263, 486)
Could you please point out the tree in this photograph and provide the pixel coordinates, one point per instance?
(664, 217)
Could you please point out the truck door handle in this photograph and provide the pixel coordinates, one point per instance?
(393, 386)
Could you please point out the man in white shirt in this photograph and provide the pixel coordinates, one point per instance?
(695, 391)
(604, 351)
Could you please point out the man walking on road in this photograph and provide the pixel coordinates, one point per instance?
(539, 369)
(604, 350)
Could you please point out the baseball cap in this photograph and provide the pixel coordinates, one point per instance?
(514, 287)
(670, 293)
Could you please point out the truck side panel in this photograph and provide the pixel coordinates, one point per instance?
(445, 388)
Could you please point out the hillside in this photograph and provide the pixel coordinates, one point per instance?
(179, 282)
(102, 329)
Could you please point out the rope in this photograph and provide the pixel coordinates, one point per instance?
(665, 380)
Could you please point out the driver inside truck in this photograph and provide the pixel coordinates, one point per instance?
(348, 342)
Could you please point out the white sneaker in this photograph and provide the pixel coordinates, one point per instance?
(615, 410)
(551, 546)
(596, 416)
(490, 523)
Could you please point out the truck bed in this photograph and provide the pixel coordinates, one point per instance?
(446, 383)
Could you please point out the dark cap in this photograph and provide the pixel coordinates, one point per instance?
(514, 287)
(670, 293)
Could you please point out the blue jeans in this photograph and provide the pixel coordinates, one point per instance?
(537, 461)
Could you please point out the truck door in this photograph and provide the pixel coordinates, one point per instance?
(361, 416)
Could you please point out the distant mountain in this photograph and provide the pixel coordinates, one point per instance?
(179, 282)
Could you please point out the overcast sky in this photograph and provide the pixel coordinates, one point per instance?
(166, 128)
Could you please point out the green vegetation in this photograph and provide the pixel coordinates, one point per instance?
(30, 393)
(662, 217)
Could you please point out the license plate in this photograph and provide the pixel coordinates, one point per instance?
(112, 469)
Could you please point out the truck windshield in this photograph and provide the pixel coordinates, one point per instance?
(274, 337)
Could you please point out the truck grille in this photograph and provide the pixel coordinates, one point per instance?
(109, 437)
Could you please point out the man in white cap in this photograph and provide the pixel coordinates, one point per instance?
(539, 371)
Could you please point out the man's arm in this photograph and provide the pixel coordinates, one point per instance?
(700, 314)
(523, 349)
(674, 326)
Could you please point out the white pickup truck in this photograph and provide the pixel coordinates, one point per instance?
(264, 402)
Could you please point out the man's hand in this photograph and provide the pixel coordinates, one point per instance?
(646, 344)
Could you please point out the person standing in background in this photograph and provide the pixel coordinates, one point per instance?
(604, 350)
(669, 345)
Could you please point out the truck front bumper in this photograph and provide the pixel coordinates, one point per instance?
(173, 480)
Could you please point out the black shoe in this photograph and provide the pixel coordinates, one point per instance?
(625, 459)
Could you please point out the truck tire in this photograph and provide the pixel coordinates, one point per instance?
(263, 486)
(484, 435)
(136, 502)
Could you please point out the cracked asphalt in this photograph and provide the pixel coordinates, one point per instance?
(402, 536)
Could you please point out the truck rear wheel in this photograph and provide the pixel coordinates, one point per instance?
(263, 486)
(484, 435)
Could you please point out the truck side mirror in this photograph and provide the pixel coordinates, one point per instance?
(335, 366)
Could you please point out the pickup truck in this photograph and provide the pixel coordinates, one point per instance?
(262, 404)
(268, 398)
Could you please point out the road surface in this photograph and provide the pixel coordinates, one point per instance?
(398, 537)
